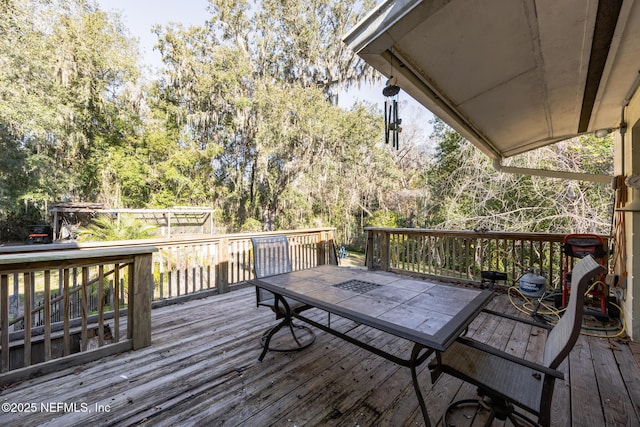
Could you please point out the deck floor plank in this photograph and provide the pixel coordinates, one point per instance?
(202, 369)
(329, 391)
(249, 397)
(629, 370)
(617, 407)
(585, 402)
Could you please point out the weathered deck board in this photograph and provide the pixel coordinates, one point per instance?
(617, 407)
(629, 370)
(202, 369)
(585, 402)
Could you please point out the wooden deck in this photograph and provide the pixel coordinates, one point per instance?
(202, 369)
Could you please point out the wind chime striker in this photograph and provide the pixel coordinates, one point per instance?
(391, 121)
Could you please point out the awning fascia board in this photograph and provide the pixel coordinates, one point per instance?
(574, 176)
(377, 32)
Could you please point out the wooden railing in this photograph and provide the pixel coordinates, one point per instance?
(463, 255)
(221, 262)
(36, 273)
(46, 291)
(40, 284)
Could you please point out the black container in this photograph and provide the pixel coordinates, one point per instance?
(40, 234)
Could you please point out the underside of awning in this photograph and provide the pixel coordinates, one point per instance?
(509, 75)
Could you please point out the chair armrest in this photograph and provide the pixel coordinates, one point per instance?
(518, 319)
(498, 353)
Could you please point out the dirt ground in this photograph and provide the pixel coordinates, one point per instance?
(353, 259)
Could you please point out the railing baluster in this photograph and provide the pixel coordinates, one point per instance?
(47, 315)
(100, 294)
(187, 263)
(178, 280)
(84, 297)
(27, 289)
(66, 339)
(414, 257)
(194, 267)
(551, 256)
(465, 254)
(116, 303)
(4, 320)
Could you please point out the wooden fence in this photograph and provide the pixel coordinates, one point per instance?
(219, 263)
(464, 255)
(61, 299)
(43, 343)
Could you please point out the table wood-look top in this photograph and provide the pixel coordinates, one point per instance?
(426, 312)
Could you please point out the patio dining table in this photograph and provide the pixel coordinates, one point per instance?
(427, 313)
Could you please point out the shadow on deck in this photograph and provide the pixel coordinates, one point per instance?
(202, 369)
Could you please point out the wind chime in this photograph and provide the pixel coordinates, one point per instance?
(391, 121)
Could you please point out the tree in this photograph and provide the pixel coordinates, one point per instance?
(68, 95)
(96, 86)
(299, 42)
(469, 194)
(27, 94)
(356, 177)
(243, 118)
(259, 85)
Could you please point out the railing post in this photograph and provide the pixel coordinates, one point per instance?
(140, 285)
(28, 286)
(368, 256)
(4, 320)
(384, 251)
(222, 273)
(332, 257)
(321, 245)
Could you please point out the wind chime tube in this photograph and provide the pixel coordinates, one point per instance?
(391, 120)
(395, 123)
(387, 111)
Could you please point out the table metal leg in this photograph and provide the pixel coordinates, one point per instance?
(415, 361)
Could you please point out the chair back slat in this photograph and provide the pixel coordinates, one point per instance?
(270, 256)
(565, 333)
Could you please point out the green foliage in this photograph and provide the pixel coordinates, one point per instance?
(122, 227)
(67, 94)
(383, 219)
(251, 225)
(270, 111)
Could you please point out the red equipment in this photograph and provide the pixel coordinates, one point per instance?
(579, 246)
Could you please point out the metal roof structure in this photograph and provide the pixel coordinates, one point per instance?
(170, 221)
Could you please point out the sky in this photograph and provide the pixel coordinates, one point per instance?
(141, 15)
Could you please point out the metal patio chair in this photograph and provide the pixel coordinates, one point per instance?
(504, 380)
(271, 257)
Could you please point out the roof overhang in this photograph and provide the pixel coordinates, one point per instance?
(509, 75)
